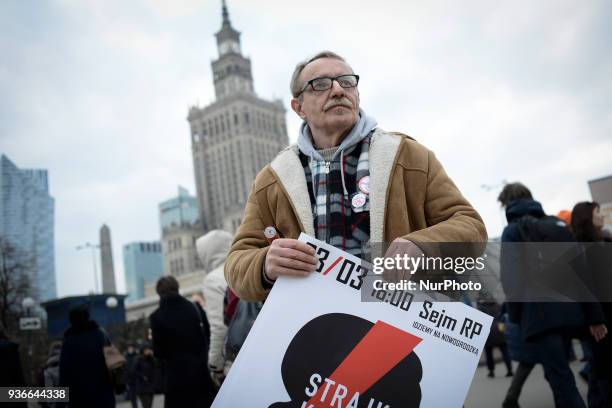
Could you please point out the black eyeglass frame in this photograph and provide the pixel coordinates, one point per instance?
(309, 83)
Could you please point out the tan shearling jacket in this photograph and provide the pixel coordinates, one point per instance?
(410, 197)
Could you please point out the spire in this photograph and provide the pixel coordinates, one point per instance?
(225, 14)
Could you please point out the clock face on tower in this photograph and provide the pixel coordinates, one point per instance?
(229, 46)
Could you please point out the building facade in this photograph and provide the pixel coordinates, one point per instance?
(143, 264)
(180, 227)
(233, 138)
(601, 192)
(27, 221)
(178, 211)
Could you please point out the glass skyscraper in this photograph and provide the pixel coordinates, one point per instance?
(142, 263)
(179, 211)
(27, 222)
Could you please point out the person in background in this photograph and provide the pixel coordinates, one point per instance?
(199, 299)
(496, 337)
(181, 336)
(82, 365)
(212, 249)
(49, 373)
(51, 369)
(587, 227)
(525, 353)
(131, 356)
(145, 372)
(549, 325)
(11, 373)
(565, 216)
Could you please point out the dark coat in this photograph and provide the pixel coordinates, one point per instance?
(539, 317)
(83, 368)
(180, 341)
(598, 260)
(11, 373)
(130, 367)
(518, 349)
(145, 371)
(602, 350)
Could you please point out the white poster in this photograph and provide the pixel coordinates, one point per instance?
(315, 343)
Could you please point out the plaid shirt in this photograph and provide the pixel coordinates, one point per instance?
(335, 220)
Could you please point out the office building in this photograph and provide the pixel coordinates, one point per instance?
(142, 263)
(27, 222)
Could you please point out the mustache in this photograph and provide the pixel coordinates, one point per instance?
(344, 101)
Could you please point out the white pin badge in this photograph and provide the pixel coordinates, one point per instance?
(364, 184)
(358, 200)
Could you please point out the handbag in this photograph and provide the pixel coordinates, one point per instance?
(113, 358)
(115, 364)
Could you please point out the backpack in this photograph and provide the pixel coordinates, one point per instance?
(554, 284)
(551, 259)
(544, 229)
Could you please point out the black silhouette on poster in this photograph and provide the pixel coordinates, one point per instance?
(320, 346)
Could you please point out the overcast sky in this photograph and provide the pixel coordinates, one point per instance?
(97, 92)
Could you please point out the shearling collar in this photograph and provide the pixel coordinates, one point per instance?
(288, 170)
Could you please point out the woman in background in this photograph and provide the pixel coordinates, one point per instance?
(587, 227)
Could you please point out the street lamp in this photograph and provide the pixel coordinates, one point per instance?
(93, 248)
(27, 304)
(111, 302)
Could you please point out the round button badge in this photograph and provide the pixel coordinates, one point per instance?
(358, 200)
(364, 184)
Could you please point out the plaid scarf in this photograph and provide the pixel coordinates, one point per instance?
(335, 220)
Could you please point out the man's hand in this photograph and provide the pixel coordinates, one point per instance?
(401, 247)
(291, 257)
(598, 331)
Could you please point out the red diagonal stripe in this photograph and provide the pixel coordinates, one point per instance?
(381, 349)
(332, 265)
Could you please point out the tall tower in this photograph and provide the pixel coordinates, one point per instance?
(233, 138)
(106, 260)
(27, 222)
(231, 71)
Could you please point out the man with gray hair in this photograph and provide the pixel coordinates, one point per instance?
(346, 182)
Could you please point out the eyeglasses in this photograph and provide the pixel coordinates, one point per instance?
(324, 83)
